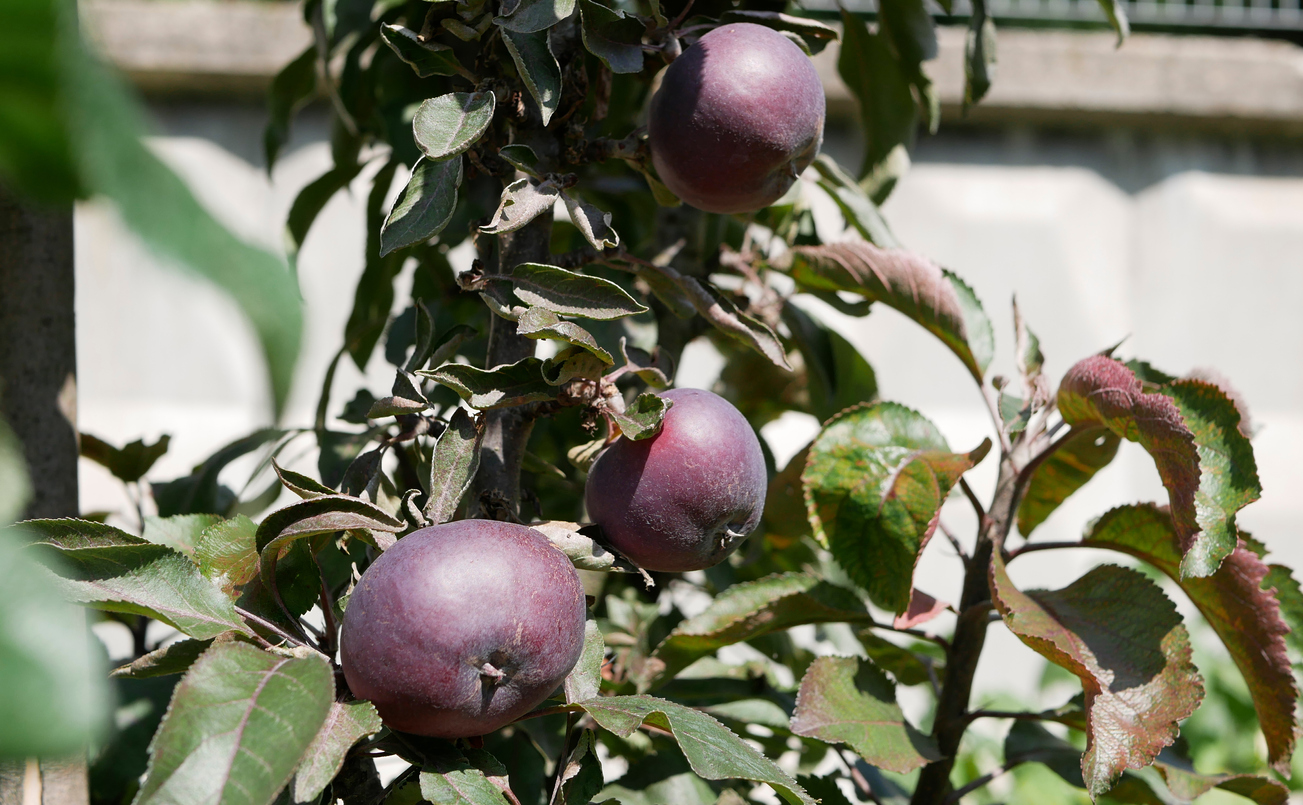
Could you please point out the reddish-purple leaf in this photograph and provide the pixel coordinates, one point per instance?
(1116, 631)
(935, 298)
(1245, 616)
(1191, 429)
(922, 608)
(848, 700)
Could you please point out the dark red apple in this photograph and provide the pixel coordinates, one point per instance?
(685, 498)
(736, 119)
(461, 628)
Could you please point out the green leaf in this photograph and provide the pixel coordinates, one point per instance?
(655, 371)
(874, 484)
(643, 418)
(449, 124)
(1029, 741)
(572, 363)
(585, 679)
(54, 699)
(1083, 453)
(35, 150)
(1191, 429)
(453, 779)
(751, 609)
(912, 34)
(15, 486)
(160, 208)
(570, 293)
(581, 779)
(426, 58)
(522, 201)
(594, 224)
(128, 464)
(521, 157)
(848, 700)
(227, 555)
(114, 571)
(502, 387)
(425, 206)
(838, 376)
(453, 465)
(612, 36)
(239, 723)
(201, 492)
(815, 34)
(313, 198)
(374, 296)
(181, 532)
(535, 15)
(979, 55)
(1186, 784)
(539, 322)
(907, 667)
(936, 299)
(1116, 631)
(712, 750)
(583, 551)
(1290, 597)
(537, 66)
(856, 206)
(345, 725)
(174, 658)
(322, 515)
(300, 484)
(1116, 12)
(888, 114)
(291, 89)
(1245, 616)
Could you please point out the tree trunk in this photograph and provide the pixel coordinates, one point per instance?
(506, 431)
(38, 398)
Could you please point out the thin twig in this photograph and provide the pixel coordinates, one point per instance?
(985, 779)
(954, 541)
(919, 633)
(271, 627)
(993, 408)
(857, 777)
(1014, 714)
(1032, 547)
(328, 612)
(973, 499)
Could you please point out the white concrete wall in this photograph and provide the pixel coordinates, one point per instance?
(1198, 268)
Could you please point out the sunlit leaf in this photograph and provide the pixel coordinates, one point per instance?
(425, 206)
(1083, 453)
(1116, 631)
(1233, 601)
(535, 15)
(539, 322)
(931, 296)
(874, 484)
(174, 658)
(502, 387)
(712, 750)
(453, 464)
(240, 721)
(537, 66)
(751, 609)
(847, 700)
(449, 124)
(1190, 428)
(522, 201)
(112, 570)
(570, 293)
(585, 679)
(345, 725)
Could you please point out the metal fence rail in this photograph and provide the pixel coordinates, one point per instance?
(1228, 16)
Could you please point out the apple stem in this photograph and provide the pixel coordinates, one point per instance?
(492, 672)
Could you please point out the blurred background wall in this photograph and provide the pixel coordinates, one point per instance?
(1152, 193)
